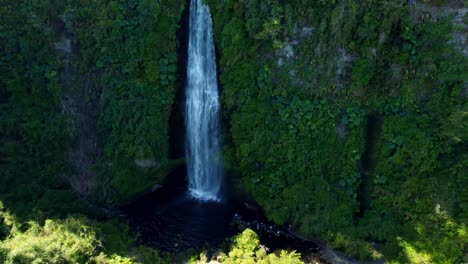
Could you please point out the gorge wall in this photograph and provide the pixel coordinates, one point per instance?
(300, 81)
(340, 120)
(87, 92)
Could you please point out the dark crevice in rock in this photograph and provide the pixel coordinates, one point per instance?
(177, 117)
(367, 162)
(4, 97)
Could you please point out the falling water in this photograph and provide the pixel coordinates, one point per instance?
(202, 108)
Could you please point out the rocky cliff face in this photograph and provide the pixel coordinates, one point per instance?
(81, 103)
(104, 78)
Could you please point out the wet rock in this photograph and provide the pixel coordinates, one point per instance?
(306, 32)
(65, 45)
(156, 187)
(252, 207)
(146, 163)
(341, 130)
(459, 37)
(286, 53)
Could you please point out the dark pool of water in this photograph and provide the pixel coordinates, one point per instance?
(181, 223)
(170, 220)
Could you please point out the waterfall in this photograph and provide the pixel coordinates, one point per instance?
(202, 108)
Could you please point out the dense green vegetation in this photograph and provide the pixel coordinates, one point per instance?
(33, 132)
(246, 249)
(122, 78)
(304, 85)
(86, 90)
(75, 239)
(132, 45)
(346, 119)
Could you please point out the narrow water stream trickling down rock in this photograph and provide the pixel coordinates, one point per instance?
(202, 108)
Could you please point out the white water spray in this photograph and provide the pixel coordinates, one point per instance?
(202, 108)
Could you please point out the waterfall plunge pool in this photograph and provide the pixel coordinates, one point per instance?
(192, 212)
(172, 221)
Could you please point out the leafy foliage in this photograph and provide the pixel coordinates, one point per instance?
(33, 132)
(246, 249)
(70, 240)
(58, 58)
(297, 126)
(133, 45)
(299, 81)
